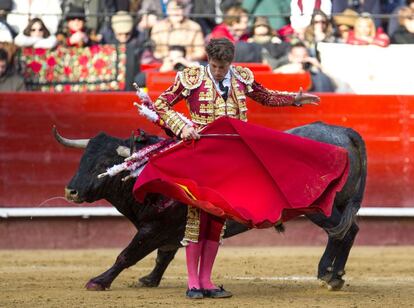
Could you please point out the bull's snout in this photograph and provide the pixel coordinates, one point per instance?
(71, 194)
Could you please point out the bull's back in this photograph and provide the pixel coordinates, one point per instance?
(350, 140)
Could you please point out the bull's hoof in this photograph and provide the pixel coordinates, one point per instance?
(325, 278)
(335, 284)
(147, 282)
(94, 286)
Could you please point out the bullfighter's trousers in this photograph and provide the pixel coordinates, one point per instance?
(202, 226)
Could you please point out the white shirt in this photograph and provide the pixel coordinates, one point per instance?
(226, 80)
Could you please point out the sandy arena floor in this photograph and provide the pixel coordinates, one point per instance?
(264, 277)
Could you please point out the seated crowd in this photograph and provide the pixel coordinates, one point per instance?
(171, 35)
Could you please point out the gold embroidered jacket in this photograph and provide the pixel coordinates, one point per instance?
(205, 102)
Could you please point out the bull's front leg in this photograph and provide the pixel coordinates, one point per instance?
(164, 257)
(147, 239)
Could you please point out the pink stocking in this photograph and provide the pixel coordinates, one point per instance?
(208, 255)
(192, 252)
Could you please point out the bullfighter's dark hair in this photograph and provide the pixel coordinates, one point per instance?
(220, 49)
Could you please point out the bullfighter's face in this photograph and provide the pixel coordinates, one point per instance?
(218, 69)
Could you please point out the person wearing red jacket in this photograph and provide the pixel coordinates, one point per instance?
(233, 27)
(365, 33)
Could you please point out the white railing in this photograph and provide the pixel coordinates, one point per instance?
(87, 212)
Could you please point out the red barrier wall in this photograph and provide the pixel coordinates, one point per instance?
(77, 233)
(34, 167)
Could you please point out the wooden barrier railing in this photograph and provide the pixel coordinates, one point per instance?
(35, 168)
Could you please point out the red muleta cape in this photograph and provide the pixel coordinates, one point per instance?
(257, 178)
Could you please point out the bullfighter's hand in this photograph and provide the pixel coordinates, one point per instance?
(189, 133)
(306, 99)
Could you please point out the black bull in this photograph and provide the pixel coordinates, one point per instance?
(163, 229)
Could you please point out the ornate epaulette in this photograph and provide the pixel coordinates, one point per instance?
(244, 75)
(191, 78)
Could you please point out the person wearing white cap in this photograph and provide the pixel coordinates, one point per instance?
(122, 25)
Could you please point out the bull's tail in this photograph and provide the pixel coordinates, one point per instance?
(351, 209)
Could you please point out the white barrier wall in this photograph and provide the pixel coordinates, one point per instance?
(369, 69)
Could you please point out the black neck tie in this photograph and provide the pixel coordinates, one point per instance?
(223, 89)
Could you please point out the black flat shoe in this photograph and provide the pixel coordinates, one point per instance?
(217, 293)
(194, 293)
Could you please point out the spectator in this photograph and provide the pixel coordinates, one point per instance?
(365, 33)
(176, 29)
(97, 13)
(299, 61)
(394, 22)
(176, 60)
(289, 35)
(280, 8)
(273, 48)
(262, 32)
(24, 10)
(9, 80)
(75, 32)
(302, 10)
(234, 25)
(360, 6)
(344, 23)
(36, 35)
(405, 33)
(112, 7)
(123, 27)
(319, 30)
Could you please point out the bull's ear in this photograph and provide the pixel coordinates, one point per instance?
(123, 151)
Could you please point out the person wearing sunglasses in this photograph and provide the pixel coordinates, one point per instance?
(36, 35)
(319, 30)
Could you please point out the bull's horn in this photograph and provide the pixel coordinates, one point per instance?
(123, 151)
(73, 143)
